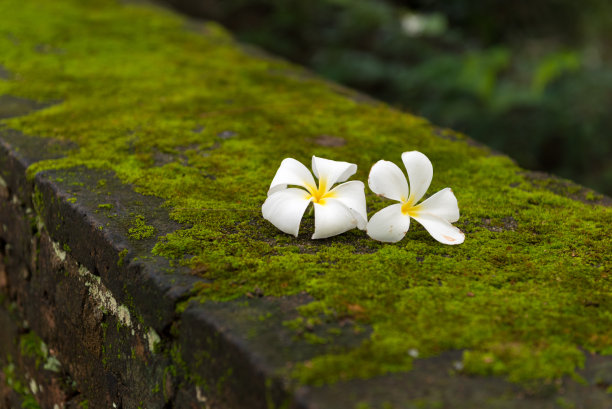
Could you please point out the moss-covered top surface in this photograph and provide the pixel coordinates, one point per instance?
(184, 114)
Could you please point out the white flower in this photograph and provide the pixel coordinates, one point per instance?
(435, 214)
(336, 211)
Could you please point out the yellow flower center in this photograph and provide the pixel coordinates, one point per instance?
(408, 209)
(319, 194)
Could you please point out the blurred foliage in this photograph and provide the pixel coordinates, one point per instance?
(530, 78)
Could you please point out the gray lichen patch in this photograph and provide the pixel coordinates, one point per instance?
(153, 339)
(103, 298)
(61, 254)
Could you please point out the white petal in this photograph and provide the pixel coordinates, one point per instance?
(332, 171)
(440, 229)
(285, 209)
(389, 225)
(291, 172)
(442, 204)
(332, 218)
(387, 179)
(352, 195)
(420, 172)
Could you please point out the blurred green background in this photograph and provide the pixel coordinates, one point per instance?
(531, 78)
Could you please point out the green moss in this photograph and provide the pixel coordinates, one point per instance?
(32, 346)
(37, 200)
(106, 206)
(29, 402)
(593, 196)
(140, 230)
(14, 382)
(528, 290)
(513, 358)
(122, 255)
(564, 403)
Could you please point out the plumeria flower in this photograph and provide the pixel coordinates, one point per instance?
(336, 210)
(435, 214)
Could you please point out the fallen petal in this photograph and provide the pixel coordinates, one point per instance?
(352, 195)
(332, 218)
(332, 171)
(389, 225)
(291, 172)
(442, 204)
(420, 173)
(440, 229)
(285, 209)
(387, 179)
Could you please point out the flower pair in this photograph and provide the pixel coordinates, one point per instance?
(344, 207)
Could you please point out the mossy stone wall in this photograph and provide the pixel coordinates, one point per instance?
(136, 149)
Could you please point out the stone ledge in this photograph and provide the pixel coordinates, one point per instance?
(144, 296)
